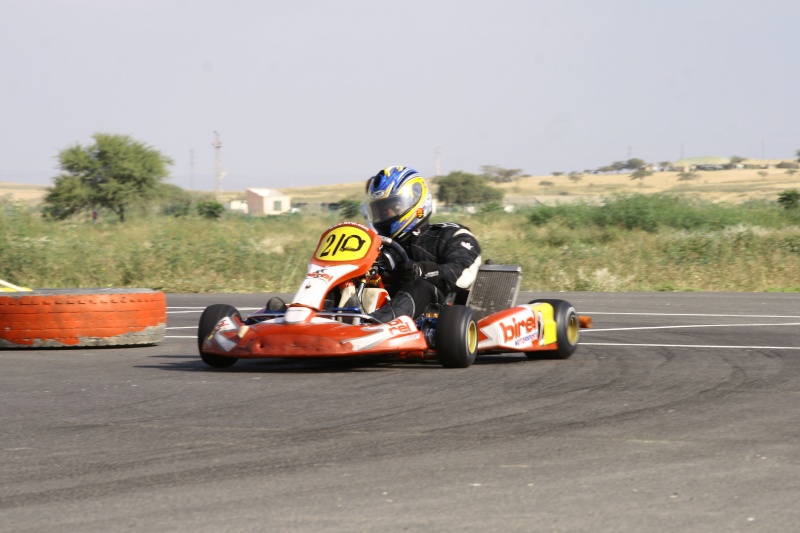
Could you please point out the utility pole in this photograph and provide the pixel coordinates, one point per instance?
(217, 144)
(191, 169)
(438, 164)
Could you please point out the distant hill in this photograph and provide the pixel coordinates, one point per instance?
(733, 186)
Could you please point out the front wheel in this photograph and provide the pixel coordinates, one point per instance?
(208, 320)
(456, 337)
(568, 331)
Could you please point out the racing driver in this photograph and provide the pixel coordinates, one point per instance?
(444, 257)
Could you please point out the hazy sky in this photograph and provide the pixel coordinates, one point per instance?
(308, 92)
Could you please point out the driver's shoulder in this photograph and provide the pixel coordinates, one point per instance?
(450, 227)
(447, 230)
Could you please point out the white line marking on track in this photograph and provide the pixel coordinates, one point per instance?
(686, 314)
(689, 326)
(689, 346)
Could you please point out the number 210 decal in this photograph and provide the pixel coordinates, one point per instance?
(346, 243)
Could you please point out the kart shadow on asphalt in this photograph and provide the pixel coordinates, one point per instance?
(192, 363)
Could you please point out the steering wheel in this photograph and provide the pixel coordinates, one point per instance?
(399, 251)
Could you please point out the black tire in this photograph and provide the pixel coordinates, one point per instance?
(568, 331)
(456, 337)
(211, 315)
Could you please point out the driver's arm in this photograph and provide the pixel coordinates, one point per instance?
(455, 261)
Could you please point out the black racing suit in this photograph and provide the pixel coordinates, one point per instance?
(446, 259)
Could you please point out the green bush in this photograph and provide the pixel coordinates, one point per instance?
(210, 209)
(651, 212)
(350, 209)
(789, 199)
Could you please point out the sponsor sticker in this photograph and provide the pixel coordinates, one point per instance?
(520, 332)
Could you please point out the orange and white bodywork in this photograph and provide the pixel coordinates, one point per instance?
(345, 256)
(344, 252)
(523, 328)
(319, 337)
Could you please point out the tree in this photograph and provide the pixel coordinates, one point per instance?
(634, 164)
(500, 174)
(641, 173)
(115, 173)
(462, 188)
(617, 166)
(575, 177)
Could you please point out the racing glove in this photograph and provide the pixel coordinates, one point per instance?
(410, 271)
(413, 270)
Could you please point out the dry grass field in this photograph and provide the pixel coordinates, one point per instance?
(667, 243)
(21, 192)
(731, 186)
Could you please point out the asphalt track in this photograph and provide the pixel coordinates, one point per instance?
(679, 412)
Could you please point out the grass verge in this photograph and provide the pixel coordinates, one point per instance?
(624, 243)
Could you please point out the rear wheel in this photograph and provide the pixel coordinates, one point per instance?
(568, 331)
(210, 317)
(456, 337)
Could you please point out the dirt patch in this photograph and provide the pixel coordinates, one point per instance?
(21, 192)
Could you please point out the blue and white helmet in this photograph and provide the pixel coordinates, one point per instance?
(398, 201)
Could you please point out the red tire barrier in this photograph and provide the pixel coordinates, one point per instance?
(58, 318)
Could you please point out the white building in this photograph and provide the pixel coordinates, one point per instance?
(239, 206)
(267, 202)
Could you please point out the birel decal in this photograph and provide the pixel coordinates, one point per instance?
(519, 330)
(399, 326)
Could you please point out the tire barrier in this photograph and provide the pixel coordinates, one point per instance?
(62, 318)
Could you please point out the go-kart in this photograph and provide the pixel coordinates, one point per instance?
(329, 315)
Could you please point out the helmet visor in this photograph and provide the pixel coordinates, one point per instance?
(388, 210)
